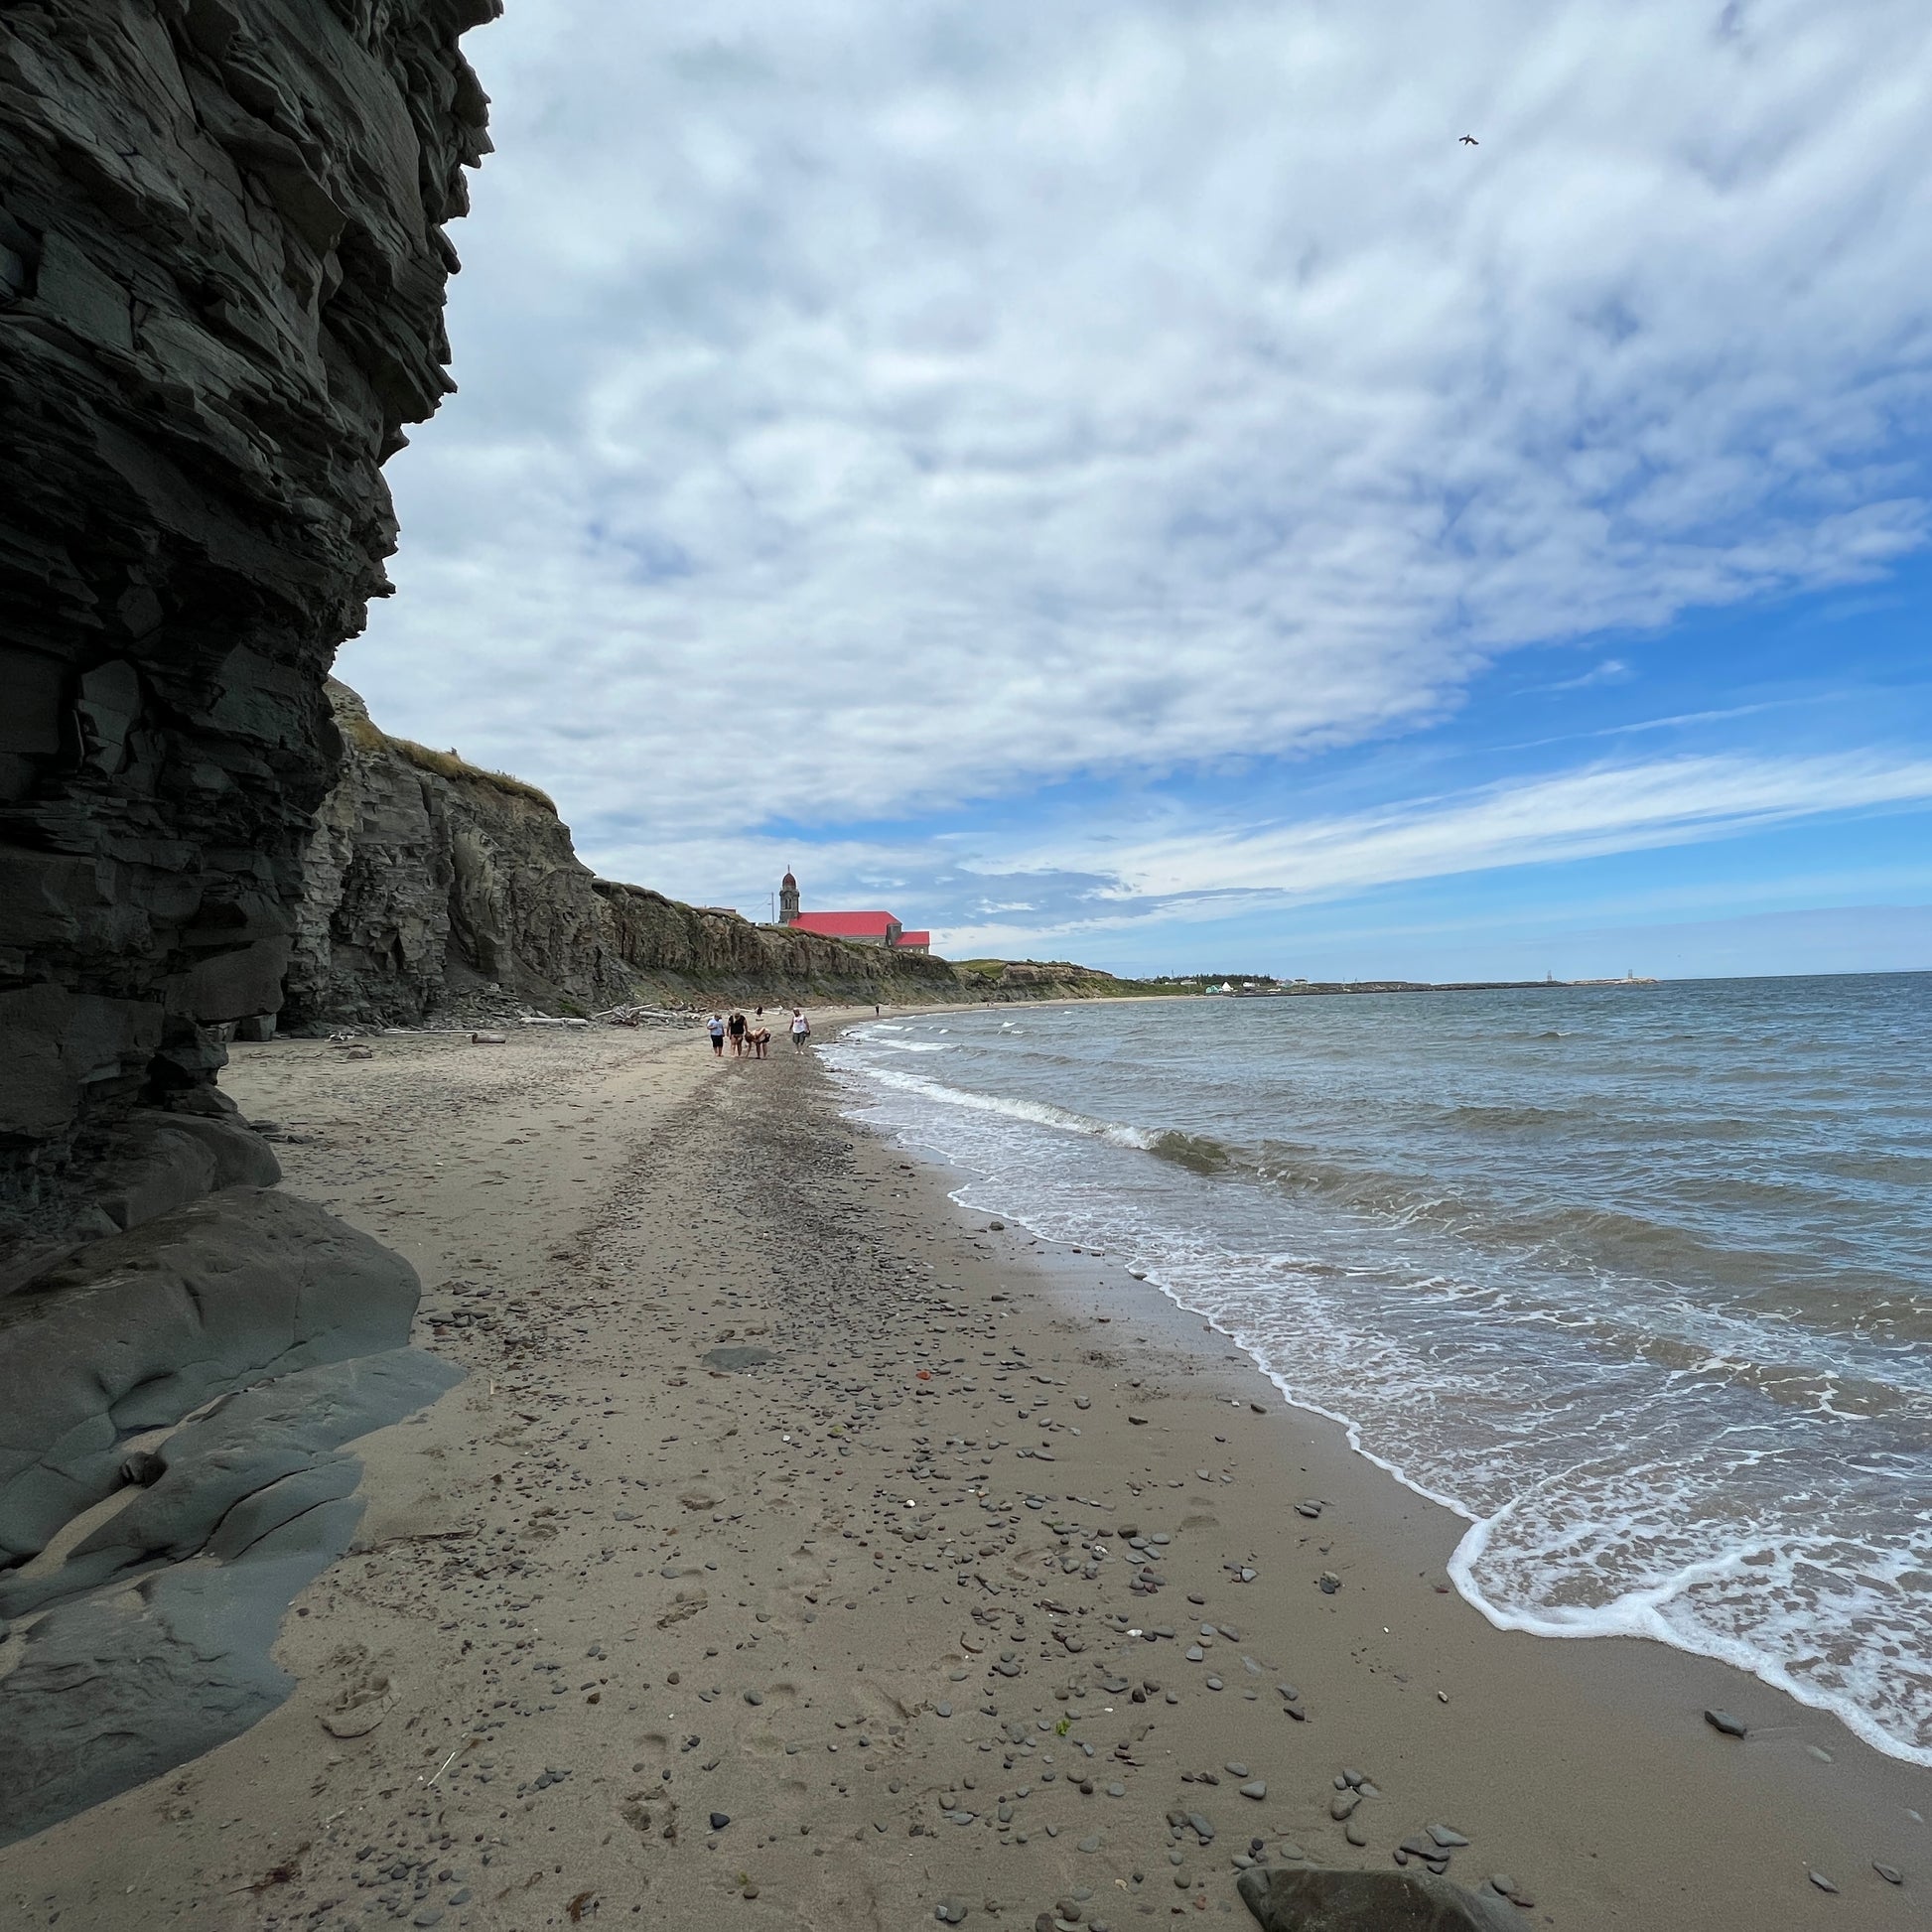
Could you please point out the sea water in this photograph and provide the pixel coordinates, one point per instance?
(1637, 1279)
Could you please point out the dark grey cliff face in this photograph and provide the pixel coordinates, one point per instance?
(427, 880)
(222, 277)
(221, 274)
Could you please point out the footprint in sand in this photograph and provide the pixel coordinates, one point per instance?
(651, 1812)
(359, 1706)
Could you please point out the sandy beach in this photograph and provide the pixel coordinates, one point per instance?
(802, 1551)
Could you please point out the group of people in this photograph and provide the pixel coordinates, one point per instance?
(753, 1036)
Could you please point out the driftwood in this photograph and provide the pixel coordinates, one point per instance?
(639, 1016)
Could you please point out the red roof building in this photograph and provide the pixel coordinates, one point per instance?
(859, 928)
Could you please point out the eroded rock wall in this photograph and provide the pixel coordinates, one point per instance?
(221, 276)
(221, 279)
(427, 880)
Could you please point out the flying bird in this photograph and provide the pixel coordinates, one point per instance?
(1471, 141)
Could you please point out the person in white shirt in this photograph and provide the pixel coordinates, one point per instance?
(801, 1030)
(714, 1026)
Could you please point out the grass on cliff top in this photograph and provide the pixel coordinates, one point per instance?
(991, 969)
(446, 765)
(1090, 982)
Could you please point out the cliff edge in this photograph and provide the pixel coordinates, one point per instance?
(222, 278)
(428, 878)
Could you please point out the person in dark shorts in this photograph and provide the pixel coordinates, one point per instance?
(714, 1026)
(737, 1029)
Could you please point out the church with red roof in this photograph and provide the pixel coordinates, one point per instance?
(860, 929)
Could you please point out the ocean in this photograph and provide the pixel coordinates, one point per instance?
(1637, 1280)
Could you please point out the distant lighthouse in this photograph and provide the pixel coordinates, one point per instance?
(787, 900)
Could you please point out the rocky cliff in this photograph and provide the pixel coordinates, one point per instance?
(221, 274)
(427, 880)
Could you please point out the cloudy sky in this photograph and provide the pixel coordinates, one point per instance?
(1121, 478)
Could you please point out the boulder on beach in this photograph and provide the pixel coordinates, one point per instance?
(1318, 1900)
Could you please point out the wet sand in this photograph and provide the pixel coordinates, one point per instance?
(782, 1492)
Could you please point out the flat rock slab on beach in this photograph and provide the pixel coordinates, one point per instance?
(737, 1358)
(113, 1685)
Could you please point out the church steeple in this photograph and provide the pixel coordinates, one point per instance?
(788, 899)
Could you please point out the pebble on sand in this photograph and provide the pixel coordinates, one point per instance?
(1722, 1721)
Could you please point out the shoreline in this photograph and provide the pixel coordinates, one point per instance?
(735, 1365)
(1465, 1554)
(1668, 1686)
(1720, 1679)
(1629, 1623)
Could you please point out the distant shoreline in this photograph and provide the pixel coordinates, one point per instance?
(1304, 989)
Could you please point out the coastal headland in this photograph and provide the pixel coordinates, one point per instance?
(798, 1548)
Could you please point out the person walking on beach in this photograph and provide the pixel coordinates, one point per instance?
(714, 1026)
(735, 1025)
(802, 1030)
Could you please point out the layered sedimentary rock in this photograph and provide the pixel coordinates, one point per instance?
(428, 878)
(222, 277)
(156, 1634)
(138, 1330)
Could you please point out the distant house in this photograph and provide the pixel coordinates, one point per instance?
(857, 928)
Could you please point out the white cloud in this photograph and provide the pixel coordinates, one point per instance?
(885, 403)
(1065, 887)
(1539, 822)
